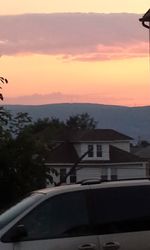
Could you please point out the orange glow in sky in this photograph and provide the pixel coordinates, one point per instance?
(44, 6)
(109, 72)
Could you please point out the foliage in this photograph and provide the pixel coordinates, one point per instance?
(53, 124)
(24, 145)
(19, 122)
(81, 121)
(2, 80)
(5, 118)
(22, 166)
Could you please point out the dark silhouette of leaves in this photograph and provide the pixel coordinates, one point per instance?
(1, 97)
(2, 80)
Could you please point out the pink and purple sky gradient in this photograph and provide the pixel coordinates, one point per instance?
(74, 51)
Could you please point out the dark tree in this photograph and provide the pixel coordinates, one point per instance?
(24, 146)
(81, 121)
(19, 122)
(22, 167)
(5, 118)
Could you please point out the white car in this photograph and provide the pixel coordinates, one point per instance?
(86, 216)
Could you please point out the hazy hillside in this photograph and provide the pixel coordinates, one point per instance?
(134, 121)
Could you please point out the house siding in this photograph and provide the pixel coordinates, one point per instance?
(124, 171)
(122, 145)
(83, 147)
(129, 172)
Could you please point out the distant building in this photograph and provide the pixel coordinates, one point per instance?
(143, 151)
(107, 156)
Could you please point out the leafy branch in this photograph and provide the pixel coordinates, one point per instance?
(2, 80)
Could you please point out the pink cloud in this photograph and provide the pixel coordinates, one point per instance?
(58, 97)
(75, 36)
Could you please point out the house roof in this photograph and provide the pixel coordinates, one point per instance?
(92, 135)
(143, 152)
(117, 155)
(66, 153)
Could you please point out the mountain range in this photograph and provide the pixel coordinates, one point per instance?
(132, 121)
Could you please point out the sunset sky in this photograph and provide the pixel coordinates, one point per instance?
(74, 51)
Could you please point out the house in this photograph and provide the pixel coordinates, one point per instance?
(97, 153)
(143, 151)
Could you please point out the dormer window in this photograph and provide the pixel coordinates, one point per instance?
(90, 150)
(99, 150)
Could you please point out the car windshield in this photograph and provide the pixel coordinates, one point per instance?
(18, 209)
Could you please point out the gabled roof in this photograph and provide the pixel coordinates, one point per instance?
(93, 135)
(65, 154)
(118, 155)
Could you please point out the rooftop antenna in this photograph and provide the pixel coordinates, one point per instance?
(146, 23)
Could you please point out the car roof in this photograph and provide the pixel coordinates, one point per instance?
(59, 189)
(89, 185)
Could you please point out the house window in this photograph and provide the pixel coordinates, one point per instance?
(113, 174)
(104, 174)
(90, 151)
(63, 175)
(73, 177)
(99, 150)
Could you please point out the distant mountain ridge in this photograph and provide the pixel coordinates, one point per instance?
(133, 121)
